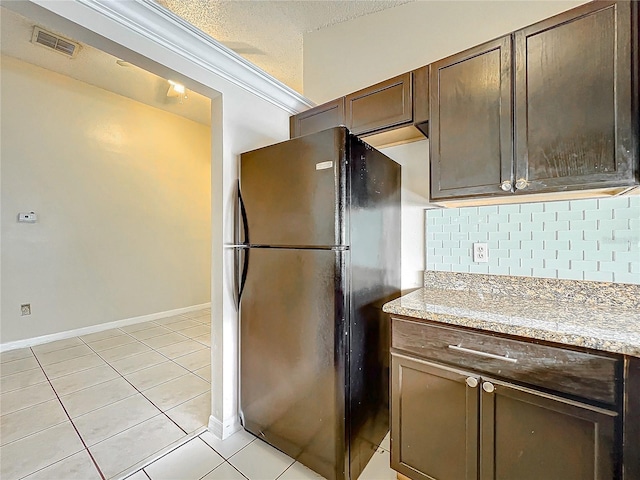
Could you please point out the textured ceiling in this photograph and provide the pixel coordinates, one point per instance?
(98, 68)
(269, 33)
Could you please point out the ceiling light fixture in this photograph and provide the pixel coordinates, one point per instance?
(176, 89)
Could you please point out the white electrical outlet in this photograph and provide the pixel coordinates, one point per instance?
(25, 309)
(31, 217)
(480, 253)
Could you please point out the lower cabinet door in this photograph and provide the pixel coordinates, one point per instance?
(434, 431)
(530, 435)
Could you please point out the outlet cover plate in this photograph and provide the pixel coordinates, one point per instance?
(480, 253)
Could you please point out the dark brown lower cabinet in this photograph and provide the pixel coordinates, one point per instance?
(530, 435)
(434, 420)
(450, 424)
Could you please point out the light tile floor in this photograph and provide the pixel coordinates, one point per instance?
(240, 457)
(99, 405)
(130, 400)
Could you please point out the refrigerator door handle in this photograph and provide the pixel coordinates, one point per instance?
(245, 222)
(238, 251)
(245, 268)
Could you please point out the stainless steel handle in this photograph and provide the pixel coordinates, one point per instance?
(488, 387)
(245, 261)
(506, 185)
(483, 354)
(521, 183)
(472, 382)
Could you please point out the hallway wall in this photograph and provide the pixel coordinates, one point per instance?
(123, 194)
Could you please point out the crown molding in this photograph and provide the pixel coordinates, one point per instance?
(157, 24)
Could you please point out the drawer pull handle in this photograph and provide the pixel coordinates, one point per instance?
(482, 354)
(472, 382)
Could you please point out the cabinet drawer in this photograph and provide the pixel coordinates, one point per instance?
(575, 373)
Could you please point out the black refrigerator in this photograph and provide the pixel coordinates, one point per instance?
(318, 256)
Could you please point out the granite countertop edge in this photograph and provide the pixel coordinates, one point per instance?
(607, 330)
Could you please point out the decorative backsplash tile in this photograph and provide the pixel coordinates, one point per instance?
(592, 239)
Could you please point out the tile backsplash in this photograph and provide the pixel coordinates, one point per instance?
(593, 239)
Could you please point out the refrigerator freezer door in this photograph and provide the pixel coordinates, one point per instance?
(292, 191)
(292, 355)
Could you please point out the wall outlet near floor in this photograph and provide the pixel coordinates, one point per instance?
(480, 253)
(30, 217)
(25, 309)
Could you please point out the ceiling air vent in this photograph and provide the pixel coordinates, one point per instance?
(55, 42)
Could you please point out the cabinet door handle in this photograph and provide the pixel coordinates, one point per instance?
(483, 354)
(472, 382)
(506, 185)
(521, 183)
(488, 387)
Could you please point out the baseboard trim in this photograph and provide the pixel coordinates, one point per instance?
(224, 430)
(30, 342)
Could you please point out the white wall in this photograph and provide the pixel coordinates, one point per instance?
(346, 57)
(240, 122)
(249, 110)
(415, 176)
(122, 191)
(351, 55)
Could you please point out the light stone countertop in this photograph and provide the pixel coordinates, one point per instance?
(604, 326)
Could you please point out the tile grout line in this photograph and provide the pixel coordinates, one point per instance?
(156, 351)
(223, 462)
(180, 446)
(234, 467)
(70, 421)
(235, 453)
(123, 376)
(67, 413)
(83, 342)
(169, 449)
(30, 347)
(117, 328)
(134, 387)
(285, 470)
(199, 436)
(27, 386)
(141, 393)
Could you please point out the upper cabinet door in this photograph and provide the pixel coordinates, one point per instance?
(327, 115)
(573, 98)
(471, 122)
(380, 106)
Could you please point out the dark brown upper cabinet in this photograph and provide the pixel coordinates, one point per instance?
(327, 115)
(390, 112)
(382, 105)
(573, 81)
(573, 100)
(471, 126)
